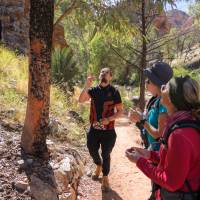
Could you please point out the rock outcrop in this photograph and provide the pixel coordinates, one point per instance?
(14, 23)
(173, 19)
(14, 26)
(177, 18)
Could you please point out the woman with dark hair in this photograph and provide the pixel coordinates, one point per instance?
(177, 173)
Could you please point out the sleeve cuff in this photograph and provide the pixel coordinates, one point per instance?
(141, 162)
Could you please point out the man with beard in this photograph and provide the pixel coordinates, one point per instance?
(106, 107)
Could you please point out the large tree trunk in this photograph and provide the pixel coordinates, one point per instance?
(33, 139)
(143, 57)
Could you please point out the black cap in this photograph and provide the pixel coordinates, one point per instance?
(159, 73)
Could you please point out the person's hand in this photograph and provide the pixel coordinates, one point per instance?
(133, 156)
(89, 81)
(141, 152)
(132, 149)
(134, 115)
(105, 121)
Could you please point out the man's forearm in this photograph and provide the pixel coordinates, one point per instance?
(117, 115)
(84, 96)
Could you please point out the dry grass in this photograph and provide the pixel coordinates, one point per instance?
(13, 95)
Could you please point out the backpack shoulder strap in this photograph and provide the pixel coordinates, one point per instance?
(157, 104)
(181, 124)
(151, 102)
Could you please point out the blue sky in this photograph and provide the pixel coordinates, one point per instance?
(182, 5)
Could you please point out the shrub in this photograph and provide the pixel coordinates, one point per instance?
(64, 70)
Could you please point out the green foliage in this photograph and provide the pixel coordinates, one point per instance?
(64, 68)
(182, 71)
(195, 74)
(127, 103)
(13, 85)
(13, 96)
(90, 30)
(126, 94)
(94, 28)
(194, 11)
(98, 53)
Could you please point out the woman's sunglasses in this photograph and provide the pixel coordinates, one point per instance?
(147, 81)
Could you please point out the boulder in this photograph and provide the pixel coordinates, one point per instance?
(21, 186)
(41, 190)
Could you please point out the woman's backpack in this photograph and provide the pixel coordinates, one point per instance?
(164, 140)
(180, 124)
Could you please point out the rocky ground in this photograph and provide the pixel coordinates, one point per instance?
(13, 183)
(25, 177)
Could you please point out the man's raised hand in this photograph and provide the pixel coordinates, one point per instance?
(89, 81)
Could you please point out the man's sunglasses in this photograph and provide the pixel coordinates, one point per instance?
(105, 72)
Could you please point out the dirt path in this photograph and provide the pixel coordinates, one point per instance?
(127, 182)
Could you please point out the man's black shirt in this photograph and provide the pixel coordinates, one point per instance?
(103, 102)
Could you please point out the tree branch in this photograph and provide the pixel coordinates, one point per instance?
(67, 11)
(170, 39)
(57, 4)
(135, 50)
(151, 17)
(127, 61)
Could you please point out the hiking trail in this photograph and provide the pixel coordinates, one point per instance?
(126, 180)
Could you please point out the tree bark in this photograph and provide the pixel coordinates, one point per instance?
(35, 130)
(143, 57)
